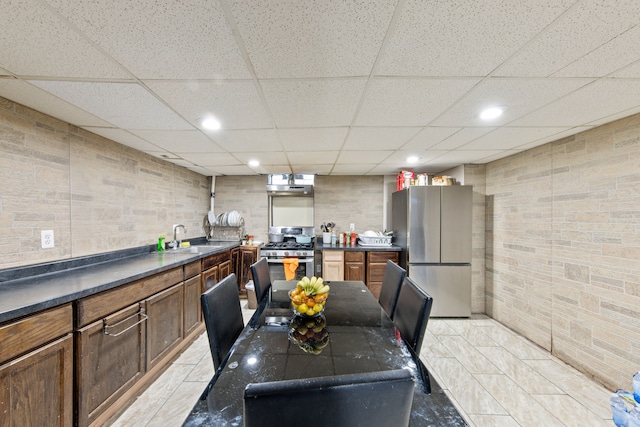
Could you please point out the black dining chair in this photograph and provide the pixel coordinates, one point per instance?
(412, 313)
(261, 278)
(373, 399)
(391, 282)
(222, 317)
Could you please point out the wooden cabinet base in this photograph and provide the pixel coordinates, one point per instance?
(122, 403)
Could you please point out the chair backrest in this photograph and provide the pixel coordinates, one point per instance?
(367, 399)
(222, 317)
(391, 282)
(412, 313)
(261, 278)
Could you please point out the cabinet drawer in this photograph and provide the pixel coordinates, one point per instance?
(191, 269)
(333, 255)
(216, 259)
(353, 256)
(100, 305)
(25, 334)
(382, 257)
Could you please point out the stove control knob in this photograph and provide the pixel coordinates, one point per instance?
(286, 253)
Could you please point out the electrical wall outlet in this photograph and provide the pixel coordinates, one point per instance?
(46, 237)
(352, 227)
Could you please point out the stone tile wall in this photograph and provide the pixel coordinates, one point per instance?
(563, 248)
(96, 195)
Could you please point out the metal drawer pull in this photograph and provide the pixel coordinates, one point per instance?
(140, 313)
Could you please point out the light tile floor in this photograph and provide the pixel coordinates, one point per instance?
(495, 377)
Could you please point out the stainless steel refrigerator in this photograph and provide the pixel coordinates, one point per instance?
(432, 224)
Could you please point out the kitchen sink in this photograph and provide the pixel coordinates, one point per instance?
(200, 249)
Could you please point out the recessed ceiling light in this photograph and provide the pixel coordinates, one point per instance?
(254, 163)
(210, 123)
(491, 113)
(413, 159)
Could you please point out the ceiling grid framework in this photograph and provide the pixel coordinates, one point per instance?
(343, 87)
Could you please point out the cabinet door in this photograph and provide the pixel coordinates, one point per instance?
(376, 264)
(224, 269)
(192, 311)
(110, 358)
(248, 256)
(354, 265)
(165, 322)
(37, 388)
(209, 278)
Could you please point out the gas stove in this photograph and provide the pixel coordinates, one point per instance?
(287, 249)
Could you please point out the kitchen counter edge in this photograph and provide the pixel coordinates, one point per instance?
(27, 295)
(324, 247)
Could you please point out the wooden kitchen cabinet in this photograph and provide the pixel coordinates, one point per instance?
(215, 268)
(123, 336)
(36, 370)
(244, 257)
(165, 323)
(376, 264)
(333, 265)
(354, 265)
(110, 358)
(192, 309)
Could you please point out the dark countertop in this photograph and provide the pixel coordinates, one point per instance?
(324, 247)
(26, 290)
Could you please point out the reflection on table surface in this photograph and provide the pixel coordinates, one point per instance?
(360, 338)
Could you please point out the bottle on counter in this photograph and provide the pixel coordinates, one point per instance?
(334, 238)
(161, 243)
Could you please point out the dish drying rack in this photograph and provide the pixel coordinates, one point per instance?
(225, 233)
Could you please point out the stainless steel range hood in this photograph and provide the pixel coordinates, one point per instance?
(290, 185)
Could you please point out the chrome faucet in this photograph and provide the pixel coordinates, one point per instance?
(175, 243)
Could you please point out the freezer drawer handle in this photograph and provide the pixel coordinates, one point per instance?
(143, 317)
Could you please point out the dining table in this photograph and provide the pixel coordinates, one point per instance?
(352, 335)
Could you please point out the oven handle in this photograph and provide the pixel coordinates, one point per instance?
(280, 260)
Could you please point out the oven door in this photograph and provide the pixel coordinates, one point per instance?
(276, 268)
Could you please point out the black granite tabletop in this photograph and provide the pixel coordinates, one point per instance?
(353, 335)
(24, 291)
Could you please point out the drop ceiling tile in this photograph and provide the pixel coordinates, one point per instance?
(353, 169)
(498, 156)
(590, 103)
(554, 137)
(236, 104)
(271, 169)
(264, 157)
(186, 141)
(123, 137)
(36, 42)
(315, 169)
(230, 170)
(399, 158)
(313, 139)
(462, 38)
(379, 138)
(247, 140)
(409, 102)
(160, 40)
(202, 171)
(516, 96)
(461, 137)
(126, 105)
(308, 38)
(458, 157)
(607, 58)
(210, 159)
(428, 137)
(586, 27)
(41, 100)
(508, 138)
(370, 156)
(631, 71)
(312, 157)
(313, 103)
